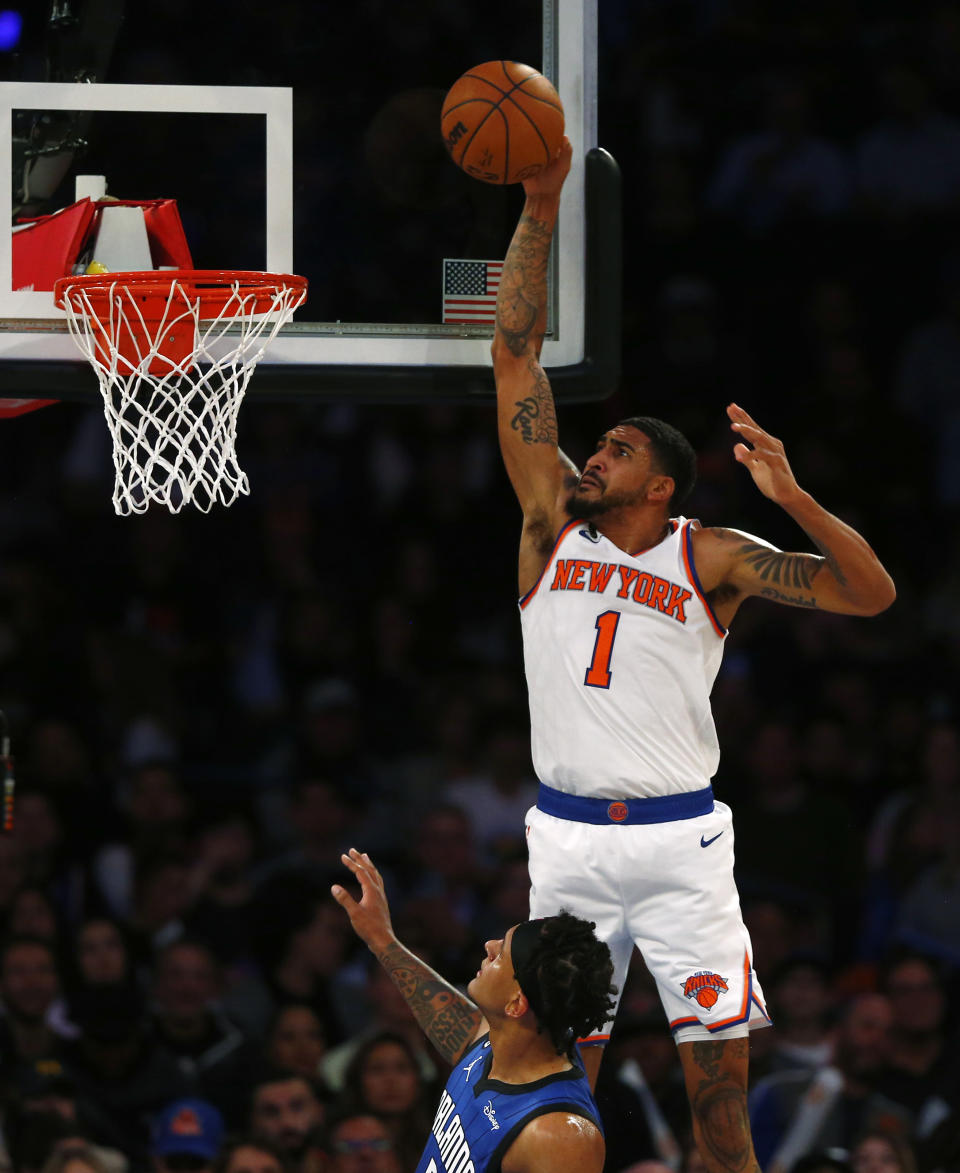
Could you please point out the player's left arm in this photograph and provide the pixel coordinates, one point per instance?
(449, 1019)
(556, 1140)
(846, 577)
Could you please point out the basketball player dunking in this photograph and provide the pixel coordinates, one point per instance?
(624, 609)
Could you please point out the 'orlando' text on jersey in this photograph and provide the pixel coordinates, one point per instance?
(621, 650)
(479, 1118)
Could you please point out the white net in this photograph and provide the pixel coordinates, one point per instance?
(173, 361)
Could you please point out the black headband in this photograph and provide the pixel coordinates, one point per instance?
(523, 945)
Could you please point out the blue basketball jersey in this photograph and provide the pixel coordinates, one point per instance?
(479, 1118)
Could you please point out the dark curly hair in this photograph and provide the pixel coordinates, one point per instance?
(673, 453)
(574, 971)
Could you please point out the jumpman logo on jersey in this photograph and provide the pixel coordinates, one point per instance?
(470, 1066)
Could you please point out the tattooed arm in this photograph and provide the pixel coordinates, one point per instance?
(448, 1018)
(526, 416)
(846, 577)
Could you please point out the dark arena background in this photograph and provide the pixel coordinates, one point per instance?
(205, 710)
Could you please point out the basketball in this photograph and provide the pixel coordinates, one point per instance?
(502, 122)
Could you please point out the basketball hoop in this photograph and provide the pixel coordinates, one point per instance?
(173, 352)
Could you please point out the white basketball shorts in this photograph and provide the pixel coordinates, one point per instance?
(668, 888)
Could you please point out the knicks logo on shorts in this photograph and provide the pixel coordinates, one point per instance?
(617, 812)
(705, 987)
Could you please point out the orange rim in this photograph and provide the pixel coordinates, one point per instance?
(212, 288)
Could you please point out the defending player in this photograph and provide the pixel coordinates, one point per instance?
(517, 1100)
(624, 610)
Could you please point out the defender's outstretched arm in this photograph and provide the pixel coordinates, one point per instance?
(448, 1018)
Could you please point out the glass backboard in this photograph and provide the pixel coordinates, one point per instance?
(305, 138)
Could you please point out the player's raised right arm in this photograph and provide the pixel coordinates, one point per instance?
(527, 419)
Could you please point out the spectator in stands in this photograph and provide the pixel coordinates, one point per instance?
(156, 807)
(445, 896)
(908, 164)
(301, 946)
(250, 1154)
(319, 818)
(783, 173)
(48, 1090)
(215, 1058)
(102, 956)
(782, 817)
(384, 1080)
(186, 1137)
(921, 1070)
(286, 1109)
(912, 830)
(361, 1144)
(296, 1041)
(799, 1112)
(32, 914)
(50, 860)
(12, 872)
(497, 798)
(800, 1004)
(74, 1156)
(222, 883)
(29, 989)
(118, 1065)
(882, 1152)
(927, 387)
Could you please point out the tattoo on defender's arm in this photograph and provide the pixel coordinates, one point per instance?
(446, 1017)
(523, 283)
(536, 417)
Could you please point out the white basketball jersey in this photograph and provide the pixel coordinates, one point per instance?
(621, 652)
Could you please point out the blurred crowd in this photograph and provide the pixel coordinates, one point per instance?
(207, 710)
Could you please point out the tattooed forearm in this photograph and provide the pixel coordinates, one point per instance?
(447, 1017)
(521, 299)
(789, 570)
(536, 417)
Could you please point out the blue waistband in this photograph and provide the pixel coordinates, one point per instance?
(664, 808)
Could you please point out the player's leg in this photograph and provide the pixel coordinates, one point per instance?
(688, 926)
(715, 1073)
(570, 868)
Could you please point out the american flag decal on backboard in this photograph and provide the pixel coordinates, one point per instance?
(470, 291)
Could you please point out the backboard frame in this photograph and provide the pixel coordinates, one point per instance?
(371, 362)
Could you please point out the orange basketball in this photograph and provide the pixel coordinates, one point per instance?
(502, 122)
(707, 997)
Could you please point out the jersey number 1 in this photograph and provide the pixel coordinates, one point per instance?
(598, 674)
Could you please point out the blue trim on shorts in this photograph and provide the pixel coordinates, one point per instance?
(664, 808)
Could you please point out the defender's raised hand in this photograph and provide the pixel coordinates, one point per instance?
(764, 458)
(370, 916)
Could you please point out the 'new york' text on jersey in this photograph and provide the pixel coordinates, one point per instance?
(621, 652)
